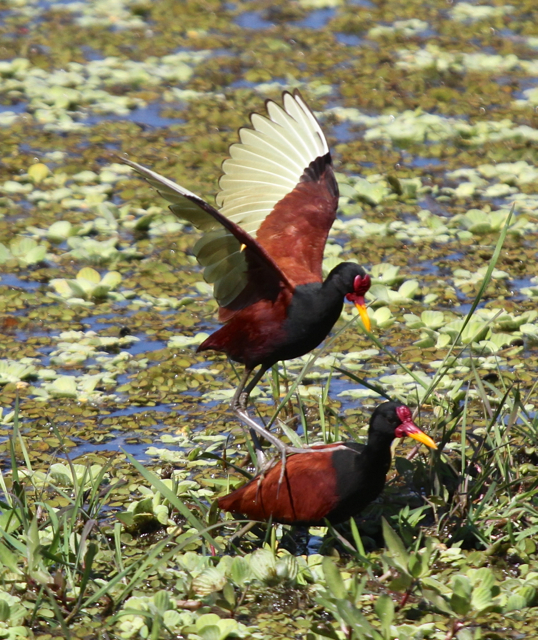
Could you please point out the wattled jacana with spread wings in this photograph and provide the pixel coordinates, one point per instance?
(333, 482)
(263, 248)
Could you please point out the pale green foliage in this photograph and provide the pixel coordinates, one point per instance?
(25, 251)
(86, 286)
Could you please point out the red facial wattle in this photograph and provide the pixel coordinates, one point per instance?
(361, 284)
(409, 428)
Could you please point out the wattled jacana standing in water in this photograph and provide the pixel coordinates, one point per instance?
(263, 248)
(333, 482)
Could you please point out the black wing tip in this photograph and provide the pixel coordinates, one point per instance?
(319, 167)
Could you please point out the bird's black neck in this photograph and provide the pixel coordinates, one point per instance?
(310, 317)
(360, 477)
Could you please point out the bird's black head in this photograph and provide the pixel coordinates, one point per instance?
(353, 282)
(395, 420)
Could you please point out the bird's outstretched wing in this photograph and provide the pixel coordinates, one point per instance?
(279, 186)
(277, 199)
(239, 268)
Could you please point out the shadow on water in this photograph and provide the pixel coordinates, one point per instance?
(317, 19)
(9, 280)
(255, 20)
(148, 115)
(350, 39)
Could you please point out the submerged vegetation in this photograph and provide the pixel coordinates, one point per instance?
(116, 436)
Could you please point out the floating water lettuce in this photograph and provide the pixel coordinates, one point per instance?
(187, 341)
(380, 294)
(465, 11)
(100, 252)
(430, 319)
(87, 286)
(464, 277)
(481, 222)
(406, 28)
(59, 99)
(371, 191)
(153, 510)
(15, 371)
(75, 347)
(58, 231)
(74, 475)
(386, 273)
(25, 251)
(414, 127)
(82, 388)
(380, 318)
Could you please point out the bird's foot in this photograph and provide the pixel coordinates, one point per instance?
(261, 460)
(263, 469)
(258, 429)
(239, 402)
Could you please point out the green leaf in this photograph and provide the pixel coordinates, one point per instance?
(333, 579)
(409, 289)
(292, 435)
(437, 600)
(401, 583)
(482, 596)
(59, 231)
(229, 594)
(433, 319)
(210, 632)
(263, 565)
(371, 193)
(5, 611)
(384, 608)
(38, 172)
(240, 571)
(62, 387)
(209, 581)
(515, 603)
(227, 628)
(89, 274)
(77, 288)
(460, 600)
(111, 279)
(395, 547)
(415, 565)
(7, 557)
(5, 254)
(355, 619)
(287, 567)
(35, 255)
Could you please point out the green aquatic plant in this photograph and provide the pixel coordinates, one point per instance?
(96, 252)
(379, 294)
(15, 371)
(24, 251)
(88, 286)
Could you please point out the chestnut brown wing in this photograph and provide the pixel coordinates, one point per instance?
(240, 269)
(277, 203)
(279, 186)
(306, 494)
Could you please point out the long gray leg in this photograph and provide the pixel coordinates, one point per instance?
(239, 407)
(238, 404)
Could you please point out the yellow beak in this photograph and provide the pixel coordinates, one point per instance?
(361, 308)
(423, 438)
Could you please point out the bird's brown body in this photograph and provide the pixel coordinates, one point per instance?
(306, 494)
(329, 482)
